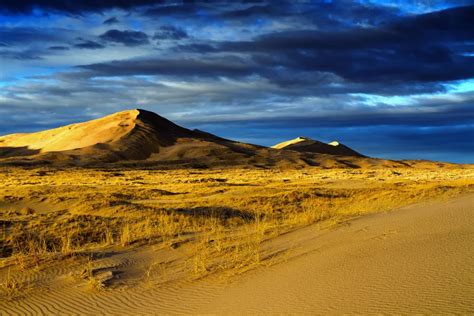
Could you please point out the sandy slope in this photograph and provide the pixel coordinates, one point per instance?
(104, 130)
(417, 259)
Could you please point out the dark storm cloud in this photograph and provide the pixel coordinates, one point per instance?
(84, 6)
(110, 21)
(255, 11)
(88, 44)
(75, 7)
(404, 65)
(219, 10)
(58, 48)
(127, 38)
(420, 48)
(170, 32)
(20, 55)
(176, 10)
(323, 14)
(217, 66)
(11, 36)
(439, 114)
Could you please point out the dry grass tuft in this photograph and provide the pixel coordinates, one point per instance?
(11, 288)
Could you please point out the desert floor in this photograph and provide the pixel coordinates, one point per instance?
(233, 241)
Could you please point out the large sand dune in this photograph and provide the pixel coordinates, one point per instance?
(127, 135)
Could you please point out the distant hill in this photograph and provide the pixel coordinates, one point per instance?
(305, 144)
(142, 138)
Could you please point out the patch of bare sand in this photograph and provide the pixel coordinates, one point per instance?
(417, 259)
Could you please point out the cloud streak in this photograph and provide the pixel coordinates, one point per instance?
(127, 38)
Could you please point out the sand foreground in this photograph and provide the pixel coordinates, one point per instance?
(418, 259)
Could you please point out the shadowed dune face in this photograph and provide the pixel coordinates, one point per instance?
(304, 144)
(17, 151)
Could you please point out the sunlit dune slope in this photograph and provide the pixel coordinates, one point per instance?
(106, 130)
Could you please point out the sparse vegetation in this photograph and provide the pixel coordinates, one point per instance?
(222, 218)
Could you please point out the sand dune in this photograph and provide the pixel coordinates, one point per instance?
(128, 135)
(305, 144)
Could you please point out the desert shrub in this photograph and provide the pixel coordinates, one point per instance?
(27, 211)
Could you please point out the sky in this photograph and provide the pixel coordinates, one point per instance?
(391, 79)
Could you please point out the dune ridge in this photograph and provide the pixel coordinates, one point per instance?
(140, 137)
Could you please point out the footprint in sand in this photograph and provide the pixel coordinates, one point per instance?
(363, 230)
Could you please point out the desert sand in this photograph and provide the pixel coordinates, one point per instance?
(415, 260)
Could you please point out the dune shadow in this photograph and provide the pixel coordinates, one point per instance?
(6, 152)
(348, 163)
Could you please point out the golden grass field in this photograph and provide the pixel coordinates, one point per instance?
(105, 236)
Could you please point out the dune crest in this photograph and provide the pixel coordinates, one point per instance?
(290, 142)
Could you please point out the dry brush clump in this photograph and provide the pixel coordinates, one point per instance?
(41, 239)
(11, 288)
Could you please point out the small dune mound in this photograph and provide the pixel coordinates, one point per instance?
(306, 144)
